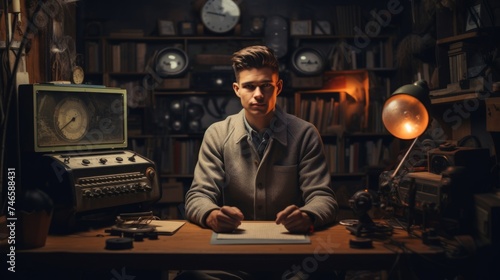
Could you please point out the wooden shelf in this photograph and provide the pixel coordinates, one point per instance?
(153, 39)
(453, 94)
(457, 38)
(143, 136)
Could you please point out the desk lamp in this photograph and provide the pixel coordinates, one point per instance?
(406, 116)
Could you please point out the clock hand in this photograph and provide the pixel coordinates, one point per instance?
(217, 14)
(70, 121)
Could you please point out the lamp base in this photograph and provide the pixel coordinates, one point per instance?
(370, 229)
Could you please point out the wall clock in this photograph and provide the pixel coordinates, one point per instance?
(171, 62)
(307, 61)
(220, 16)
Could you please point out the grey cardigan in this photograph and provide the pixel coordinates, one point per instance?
(293, 170)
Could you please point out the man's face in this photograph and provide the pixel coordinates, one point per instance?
(258, 90)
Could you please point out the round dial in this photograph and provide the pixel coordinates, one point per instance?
(77, 75)
(308, 61)
(71, 118)
(220, 16)
(171, 62)
(439, 163)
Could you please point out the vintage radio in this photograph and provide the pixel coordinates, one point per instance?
(93, 187)
(430, 189)
(442, 201)
(73, 148)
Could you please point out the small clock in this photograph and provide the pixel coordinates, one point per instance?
(220, 16)
(77, 75)
(171, 62)
(72, 118)
(307, 61)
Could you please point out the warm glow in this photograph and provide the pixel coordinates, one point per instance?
(404, 116)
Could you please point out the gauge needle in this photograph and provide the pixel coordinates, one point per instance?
(70, 121)
(217, 14)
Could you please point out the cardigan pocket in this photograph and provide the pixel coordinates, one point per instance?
(284, 185)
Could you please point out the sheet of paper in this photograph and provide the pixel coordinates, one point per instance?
(259, 232)
(166, 227)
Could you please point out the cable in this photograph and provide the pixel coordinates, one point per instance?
(11, 81)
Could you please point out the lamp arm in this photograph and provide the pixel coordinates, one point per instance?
(403, 159)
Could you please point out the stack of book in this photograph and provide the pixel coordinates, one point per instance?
(457, 56)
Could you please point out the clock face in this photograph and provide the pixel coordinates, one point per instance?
(307, 61)
(220, 16)
(77, 75)
(171, 62)
(71, 118)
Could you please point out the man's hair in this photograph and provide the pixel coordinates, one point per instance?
(254, 57)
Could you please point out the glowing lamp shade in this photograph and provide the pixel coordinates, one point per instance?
(405, 114)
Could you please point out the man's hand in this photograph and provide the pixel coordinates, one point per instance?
(225, 219)
(294, 220)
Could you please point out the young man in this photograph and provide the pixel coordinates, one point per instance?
(262, 163)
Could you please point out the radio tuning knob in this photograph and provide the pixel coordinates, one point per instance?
(150, 173)
(87, 193)
(119, 159)
(85, 161)
(103, 160)
(147, 188)
(132, 158)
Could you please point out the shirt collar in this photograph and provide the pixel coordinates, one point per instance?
(279, 125)
(252, 132)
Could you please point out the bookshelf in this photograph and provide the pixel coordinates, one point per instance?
(341, 112)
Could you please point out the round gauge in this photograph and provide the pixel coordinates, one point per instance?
(77, 75)
(71, 119)
(439, 163)
(220, 16)
(171, 62)
(308, 61)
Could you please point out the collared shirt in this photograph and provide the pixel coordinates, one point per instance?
(259, 140)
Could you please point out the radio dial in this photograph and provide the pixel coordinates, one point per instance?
(103, 160)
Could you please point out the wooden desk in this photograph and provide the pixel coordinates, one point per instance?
(190, 248)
